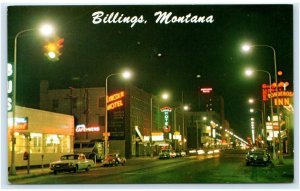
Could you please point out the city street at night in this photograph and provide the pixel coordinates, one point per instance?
(227, 167)
(149, 94)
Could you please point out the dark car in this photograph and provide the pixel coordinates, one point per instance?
(164, 154)
(258, 157)
(114, 159)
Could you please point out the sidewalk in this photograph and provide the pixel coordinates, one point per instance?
(33, 172)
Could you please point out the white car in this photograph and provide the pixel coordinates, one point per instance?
(71, 162)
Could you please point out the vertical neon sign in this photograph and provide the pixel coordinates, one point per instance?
(166, 110)
(9, 87)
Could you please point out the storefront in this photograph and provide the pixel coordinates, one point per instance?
(44, 135)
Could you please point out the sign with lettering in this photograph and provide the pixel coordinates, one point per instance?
(82, 128)
(166, 110)
(21, 123)
(10, 77)
(115, 100)
(206, 90)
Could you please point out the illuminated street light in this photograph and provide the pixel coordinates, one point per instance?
(246, 47)
(165, 96)
(249, 71)
(251, 110)
(46, 32)
(125, 75)
(51, 55)
(251, 100)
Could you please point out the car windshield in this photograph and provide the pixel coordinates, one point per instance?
(69, 157)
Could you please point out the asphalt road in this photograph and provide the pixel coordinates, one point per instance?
(218, 168)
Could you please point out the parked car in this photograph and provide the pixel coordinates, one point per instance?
(71, 162)
(166, 154)
(257, 157)
(180, 153)
(114, 159)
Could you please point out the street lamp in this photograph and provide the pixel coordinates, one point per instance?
(247, 48)
(125, 75)
(45, 30)
(183, 108)
(249, 72)
(164, 96)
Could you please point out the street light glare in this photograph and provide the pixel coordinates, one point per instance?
(185, 107)
(246, 47)
(51, 55)
(165, 96)
(251, 110)
(251, 101)
(46, 30)
(126, 74)
(249, 72)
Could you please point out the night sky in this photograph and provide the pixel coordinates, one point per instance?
(162, 56)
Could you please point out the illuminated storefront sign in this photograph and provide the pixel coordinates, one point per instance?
(206, 90)
(83, 128)
(157, 136)
(10, 87)
(284, 97)
(166, 110)
(115, 100)
(266, 93)
(21, 123)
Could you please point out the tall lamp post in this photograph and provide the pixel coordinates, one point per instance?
(249, 72)
(125, 75)
(247, 48)
(45, 30)
(164, 96)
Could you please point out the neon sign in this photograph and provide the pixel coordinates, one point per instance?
(206, 90)
(166, 110)
(9, 87)
(115, 100)
(83, 128)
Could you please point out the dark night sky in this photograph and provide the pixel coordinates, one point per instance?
(91, 52)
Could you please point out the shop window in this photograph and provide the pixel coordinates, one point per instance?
(51, 143)
(20, 146)
(36, 143)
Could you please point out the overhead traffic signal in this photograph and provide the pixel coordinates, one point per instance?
(53, 49)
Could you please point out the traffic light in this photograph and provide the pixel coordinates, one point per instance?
(53, 49)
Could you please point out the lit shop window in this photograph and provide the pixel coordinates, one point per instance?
(51, 144)
(20, 146)
(36, 143)
(65, 144)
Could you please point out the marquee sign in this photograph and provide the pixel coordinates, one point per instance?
(166, 110)
(21, 123)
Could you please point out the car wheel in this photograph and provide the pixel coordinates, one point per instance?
(75, 169)
(247, 163)
(123, 163)
(55, 172)
(87, 168)
(116, 163)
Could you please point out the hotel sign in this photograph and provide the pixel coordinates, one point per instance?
(166, 110)
(115, 100)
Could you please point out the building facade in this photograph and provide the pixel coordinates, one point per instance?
(44, 135)
(130, 110)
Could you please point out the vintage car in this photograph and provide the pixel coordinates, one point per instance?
(257, 157)
(71, 162)
(114, 159)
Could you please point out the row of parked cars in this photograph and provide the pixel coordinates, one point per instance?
(75, 162)
(168, 153)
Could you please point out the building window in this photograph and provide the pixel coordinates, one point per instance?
(101, 101)
(36, 143)
(55, 104)
(101, 120)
